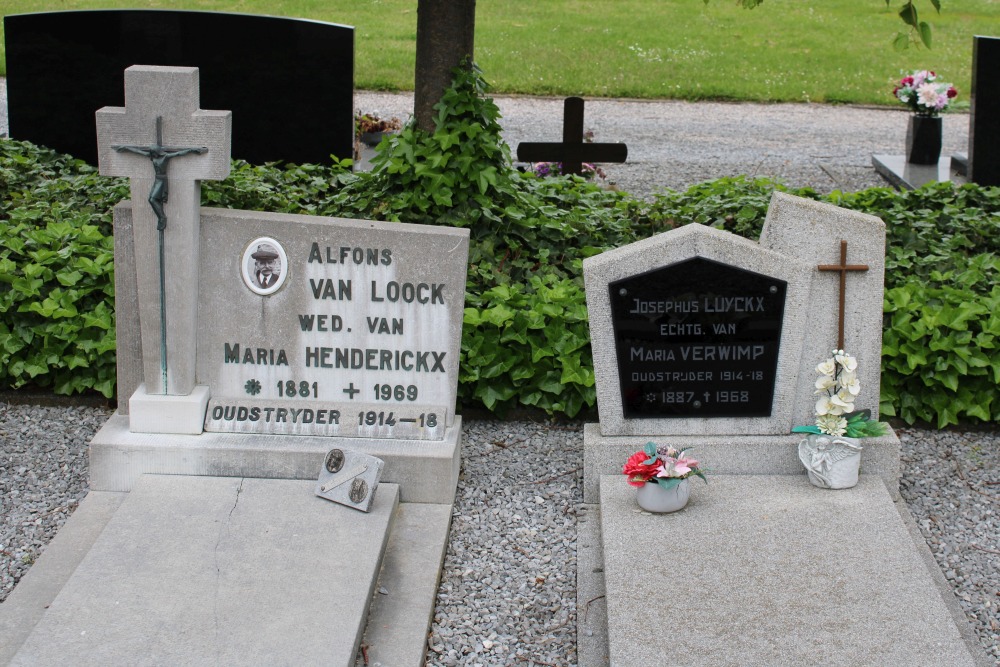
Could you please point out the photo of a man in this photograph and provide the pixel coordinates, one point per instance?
(264, 266)
(267, 265)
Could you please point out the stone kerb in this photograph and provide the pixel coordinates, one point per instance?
(675, 246)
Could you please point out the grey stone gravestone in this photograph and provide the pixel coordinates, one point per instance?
(708, 341)
(273, 73)
(310, 335)
(356, 336)
(705, 339)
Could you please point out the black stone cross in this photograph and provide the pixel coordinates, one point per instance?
(572, 152)
(842, 268)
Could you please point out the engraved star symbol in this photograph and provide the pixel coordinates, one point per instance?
(252, 387)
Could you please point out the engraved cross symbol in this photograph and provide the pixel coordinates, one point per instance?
(168, 298)
(842, 268)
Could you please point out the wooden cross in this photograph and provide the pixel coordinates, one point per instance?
(842, 268)
(161, 107)
(572, 152)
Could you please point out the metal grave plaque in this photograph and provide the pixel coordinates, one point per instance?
(697, 339)
(349, 478)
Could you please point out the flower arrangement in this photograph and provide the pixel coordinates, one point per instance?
(837, 387)
(921, 92)
(665, 466)
(370, 123)
(590, 171)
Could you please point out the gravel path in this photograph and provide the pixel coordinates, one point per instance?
(508, 590)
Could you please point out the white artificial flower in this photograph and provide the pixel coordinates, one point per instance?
(852, 385)
(824, 382)
(832, 425)
(847, 362)
(825, 406)
(826, 368)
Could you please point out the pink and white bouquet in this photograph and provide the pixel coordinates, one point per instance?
(665, 466)
(923, 94)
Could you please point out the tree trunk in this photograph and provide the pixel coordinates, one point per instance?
(445, 34)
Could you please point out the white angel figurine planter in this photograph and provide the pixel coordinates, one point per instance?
(831, 461)
(831, 452)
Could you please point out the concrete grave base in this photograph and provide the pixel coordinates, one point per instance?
(426, 470)
(729, 455)
(196, 570)
(765, 570)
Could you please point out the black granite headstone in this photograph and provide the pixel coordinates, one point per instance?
(288, 82)
(984, 124)
(697, 339)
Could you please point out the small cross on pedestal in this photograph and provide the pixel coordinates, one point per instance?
(572, 152)
(161, 136)
(842, 268)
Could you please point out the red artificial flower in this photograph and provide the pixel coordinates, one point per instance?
(907, 81)
(638, 472)
(952, 92)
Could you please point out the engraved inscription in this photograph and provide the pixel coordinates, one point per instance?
(697, 339)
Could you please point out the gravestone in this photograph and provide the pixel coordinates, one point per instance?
(984, 120)
(702, 338)
(274, 73)
(274, 349)
(356, 334)
(709, 341)
(572, 152)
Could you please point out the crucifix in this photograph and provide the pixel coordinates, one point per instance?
(160, 155)
(842, 268)
(572, 152)
(165, 100)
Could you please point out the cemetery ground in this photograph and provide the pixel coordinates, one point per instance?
(508, 592)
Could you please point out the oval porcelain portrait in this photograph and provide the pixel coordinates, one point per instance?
(264, 266)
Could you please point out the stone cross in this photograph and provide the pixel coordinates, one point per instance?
(842, 268)
(161, 120)
(572, 152)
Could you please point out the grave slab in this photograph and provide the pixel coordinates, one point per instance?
(908, 176)
(769, 570)
(231, 571)
(26, 604)
(403, 605)
(427, 470)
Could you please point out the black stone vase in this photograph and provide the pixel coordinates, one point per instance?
(923, 140)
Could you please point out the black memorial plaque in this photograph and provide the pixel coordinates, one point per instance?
(289, 82)
(697, 339)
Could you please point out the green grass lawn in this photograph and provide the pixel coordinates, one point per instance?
(785, 50)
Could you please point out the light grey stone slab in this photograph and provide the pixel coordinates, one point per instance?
(769, 570)
(26, 604)
(403, 606)
(812, 232)
(426, 470)
(368, 319)
(729, 455)
(669, 248)
(196, 570)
